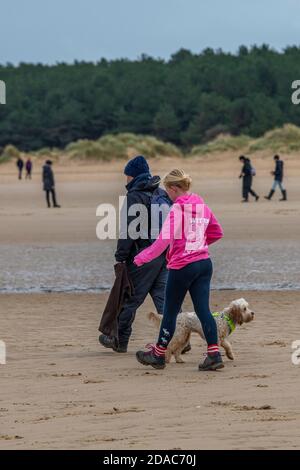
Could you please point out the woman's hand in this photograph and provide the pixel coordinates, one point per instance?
(137, 261)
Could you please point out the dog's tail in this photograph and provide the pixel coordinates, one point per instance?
(154, 318)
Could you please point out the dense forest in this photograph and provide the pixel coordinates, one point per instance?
(186, 100)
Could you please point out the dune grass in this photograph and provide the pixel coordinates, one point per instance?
(222, 143)
(120, 146)
(9, 152)
(127, 145)
(283, 139)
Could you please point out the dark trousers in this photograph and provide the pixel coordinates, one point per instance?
(52, 192)
(150, 279)
(247, 183)
(195, 278)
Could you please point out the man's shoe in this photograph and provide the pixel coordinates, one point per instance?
(187, 348)
(256, 198)
(57, 205)
(244, 200)
(107, 341)
(111, 343)
(212, 362)
(121, 348)
(148, 358)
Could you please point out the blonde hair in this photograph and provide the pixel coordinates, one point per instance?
(178, 178)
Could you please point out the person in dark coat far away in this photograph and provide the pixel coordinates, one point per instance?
(278, 179)
(151, 278)
(28, 167)
(247, 174)
(20, 166)
(49, 183)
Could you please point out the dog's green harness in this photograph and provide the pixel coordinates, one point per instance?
(230, 323)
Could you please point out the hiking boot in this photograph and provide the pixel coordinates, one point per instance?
(111, 343)
(107, 341)
(121, 348)
(148, 358)
(187, 348)
(212, 362)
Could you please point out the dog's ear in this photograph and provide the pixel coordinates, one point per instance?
(235, 313)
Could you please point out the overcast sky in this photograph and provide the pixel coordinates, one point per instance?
(63, 30)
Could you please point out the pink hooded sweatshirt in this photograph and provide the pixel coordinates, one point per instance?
(187, 231)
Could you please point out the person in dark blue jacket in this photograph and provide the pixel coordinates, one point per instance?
(278, 179)
(148, 279)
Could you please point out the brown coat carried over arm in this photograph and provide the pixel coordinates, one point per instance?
(121, 291)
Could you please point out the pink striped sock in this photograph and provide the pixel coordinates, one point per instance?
(212, 349)
(159, 350)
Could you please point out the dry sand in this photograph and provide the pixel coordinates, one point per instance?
(60, 389)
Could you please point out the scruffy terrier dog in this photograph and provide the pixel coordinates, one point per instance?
(237, 313)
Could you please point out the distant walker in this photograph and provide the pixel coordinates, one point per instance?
(49, 183)
(278, 179)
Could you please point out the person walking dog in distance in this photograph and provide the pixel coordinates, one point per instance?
(20, 166)
(142, 188)
(49, 183)
(278, 179)
(188, 230)
(247, 174)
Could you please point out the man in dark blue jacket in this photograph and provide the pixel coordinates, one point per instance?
(278, 179)
(150, 278)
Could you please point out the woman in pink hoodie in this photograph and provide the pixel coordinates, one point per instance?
(188, 230)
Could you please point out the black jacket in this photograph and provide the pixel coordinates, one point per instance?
(278, 173)
(48, 178)
(139, 191)
(247, 169)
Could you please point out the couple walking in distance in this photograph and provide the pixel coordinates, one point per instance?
(248, 172)
(167, 268)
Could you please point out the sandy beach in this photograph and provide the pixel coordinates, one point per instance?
(60, 389)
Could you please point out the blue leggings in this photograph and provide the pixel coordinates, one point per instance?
(195, 278)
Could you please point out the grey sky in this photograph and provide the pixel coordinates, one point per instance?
(63, 30)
